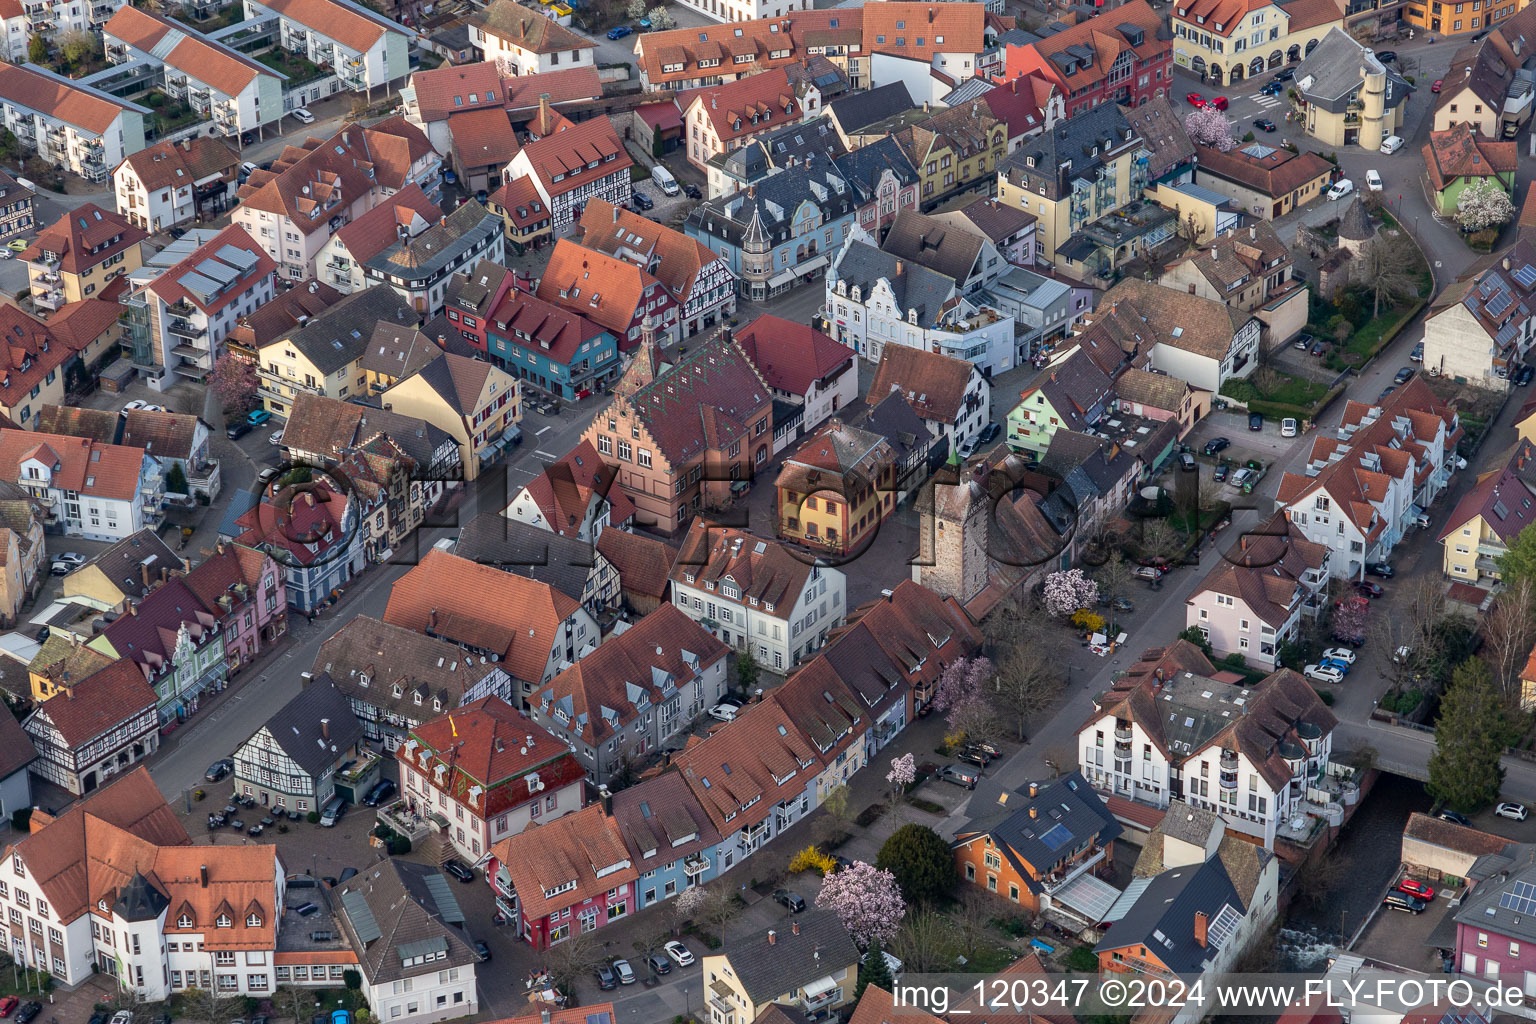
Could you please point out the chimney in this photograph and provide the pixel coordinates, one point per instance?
(1034, 790)
(1506, 262)
(1034, 812)
(325, 728)
(1202, 923)
(544, 1016)
(772, 937)
(220, 547)
(203, 872)
(133, 607)
(1253, 234)
(901, 267)
(144, 574)
(606, 797)
(794, 927)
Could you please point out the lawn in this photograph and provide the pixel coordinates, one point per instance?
(1277, 394)
(1369, 339)
(298, 69)
(170, 117)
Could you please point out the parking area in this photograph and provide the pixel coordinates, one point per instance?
(1403, 938)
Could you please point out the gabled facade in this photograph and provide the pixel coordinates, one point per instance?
(469, 399)
(364, 49)
(1228, 42)
(322, 355)
(721, 119)
(836, 489)
(808, 963)
(621, 297)
(1347, 97)
(956, 150)
(1484, 324)
(80, 255)
(1249, 270)
(803, 367)
(314, 533)
(101, 720)
(83, 130)
(97, 491)
(577, 496)
(175, 642)
(1457, 158)
(1094, 63)
(527, 42)
(576, 163)
(952, 396)
(243, 589)
(498, 772)
(1488, 518)
(296, 760)
(173, 183)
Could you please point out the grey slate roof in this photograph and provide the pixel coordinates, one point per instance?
(391, 656)
(1334, 67)
(894, 419)
(1189, 823)
(863, 167)
(916, 287)
(139, 900)
(341, 335)
(767, 971)
(1066, 152)
(772, 202)
(121, 562)
(789, 146)
(1505, 902)
(563, 562)
(296, 727)
(241, 503)
(1163, 918)
(443, 244)
(861, 109)
(1067, 813)
(405, 909)
(934, 244)
(970, 89)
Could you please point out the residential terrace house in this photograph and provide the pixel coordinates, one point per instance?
(309, 751)
(84, 130)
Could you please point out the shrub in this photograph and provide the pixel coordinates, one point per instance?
(869, 815)
(21, 820)
(811, 859)
(313, 817)
(1404, 702)
(1013, 927)
(352, 979)
(926, 805)
(399, 845)
(1326, 696)
(1081, 958)
(1084, 619)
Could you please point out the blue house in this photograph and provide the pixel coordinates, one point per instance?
(669, 837)
(782, 231)
(311, 531)
(552, 348)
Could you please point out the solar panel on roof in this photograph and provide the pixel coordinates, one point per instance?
(442, 895)
(1499, 303)
(236, 257)
(361, 916)
(1056, 837)
(198, 285)
(1526, 275)
(220, 272)
(1520, 897)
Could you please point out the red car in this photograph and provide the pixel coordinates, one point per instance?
(1436, 87)
(1196, 100)
(1419, 889)
(1219, 102)
(8, 1006)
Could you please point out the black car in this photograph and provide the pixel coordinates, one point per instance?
(1455, 818)
(1385, 392)
(1387, 56)
(237, 430)
(988, 432)
(1223, 471)
(1255, 421)
(1369, 589)
(1187, 462)
(459, 870)
(1525, 375)
(791, 900)
(1381, 569)
(381, 791)
(972, 757)
(218, 770)
(659, 963)
(605, 977)
(988, 756)
(1216, 444)
(1404, 902)
(1348, 639)
(1264, 124)
(643, 201)
(1319, 347)
(692, 191)
(99, 1018)
(1285, 75)
(28, 1011)
(482, 950)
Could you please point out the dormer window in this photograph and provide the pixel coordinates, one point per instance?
(418, 699)
(183, 921)
(101, 905)
(223, 921)
(253, 921)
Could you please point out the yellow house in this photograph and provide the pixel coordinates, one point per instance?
(81, 253)
(1488, 518)
(1072, 175)
(473, 401)
(122, 573)
(954, 150)
(806, 961)
(836, 488)
(1346, 97)
(1201, 215)
(63, 660)
(324, 356)
(1229, 42)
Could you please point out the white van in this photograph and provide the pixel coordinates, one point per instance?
(664, 180)
(1391, 144)
(335, 807)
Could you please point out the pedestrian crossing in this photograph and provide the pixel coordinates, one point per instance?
(1266, 101)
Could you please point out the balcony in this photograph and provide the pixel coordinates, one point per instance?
(181, 307)
(189, 352)
(186, 329)
(49, 300)
(51, 276)
(1492, 550)
(1123, 732)
(695, 865)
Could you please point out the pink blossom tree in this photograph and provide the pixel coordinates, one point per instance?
(1067, 591)
(866, 900)
(234, 381)
(902, 774)
(962, 696)
(1210, 127)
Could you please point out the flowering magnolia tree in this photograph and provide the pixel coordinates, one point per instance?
(1066, 592)
(902, 774)
(1483, 204)
(689, 902)
(1210, 127)
(866, 900)
(962, 695)
(234, 381)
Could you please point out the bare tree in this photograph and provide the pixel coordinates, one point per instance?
(649, 943)
(1381, 269)
(1509, 633)
(299, 1002)
(211, 1007)
(720, 906)
(566, 961)
(1408, 637)
(1024, 685)
(973, 916)
(1159, 540)
(925, 942)
(839, 814)
(1114, 578)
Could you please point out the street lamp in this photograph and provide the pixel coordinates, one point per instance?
(687, 1003)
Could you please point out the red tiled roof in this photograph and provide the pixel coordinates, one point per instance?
(100, 702)
(554, 333)
(226, 70)
(789, 37)
(743, 769)
(169, 287)
(602, 288)
(453, 88)
(180, 163)
(643, 563)
(1102, 36)
(483, 138)
(962, 27)
(519, 200)
(100, 470)
(27, 88)
(623, 233)
(568, 153)
(791, 356)
(747, 106)
(30, 350)
(294, 518)
(76, 236)
(376, 230)
(348, 25)
(1460, 152)
(570, 849)
(565, 488)
(934, 384)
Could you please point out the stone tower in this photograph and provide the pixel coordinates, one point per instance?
(954, 534)
(1373, 102)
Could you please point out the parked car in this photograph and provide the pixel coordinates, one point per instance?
(1343, 654)
(31, 1009)
(606, 979)
(1288, 427)
(1417, 355)
(1217, 444)
(17, 245)
(482, 951)
(1330, 663)
(1387, 56)
(1272, 88)
(1285, 74)
(1373, 181)
(1455, 818)
(8, 1005)
(1255, 421)
(1187, 462)
(790, 900)
(619, 31)
(1264, 124)
(1319, 347)
(1391, 144)
(988, 432)
(1340, 189)
(381, 792)
(256, 417)
(1417, 889)
(1353, 640)
(215, 772)
(1402, 901)
(1381, 569)
(659, 963)
(725, 711)
(1436, 87)
(1222, 471)
(1147, 572)
(458, 869)
(235, 431)
(1402, 654)
(679, 953)
(1323, 674)
(1525, 375)
(958, 776)
(1385, 392)
(643, 201)
(692, 191)
(1304, 341)
(625, 972)
(1509, 809)
(66, 562)
(1243, 478)
(1403, 375)
(303, 116)
(972, 757)
(1369, 589)
(275, 439)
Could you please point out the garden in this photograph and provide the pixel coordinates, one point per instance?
(1277, 394)
(233, 14)
(1390, 283)
(167, 115)
(298, 69)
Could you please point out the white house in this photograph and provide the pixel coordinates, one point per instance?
(53, 19)
(232, 91)
(174, 182)
(951, 396)
(805, 369)
(83, 130)
(93, 490)
(577, 163)
(340, 261)
(1171, 732)
(745, 10)
(1200, 340)
(1254, 599)
(524, 41)
(194, 305)
(147, 909)
(1480, 328)
(1365, 485)
(365, 50)
(79, 749)
(753, 595)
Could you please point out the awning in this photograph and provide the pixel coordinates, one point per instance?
(820, 987)
(811, 266)
(783, 277)
(1088, 897)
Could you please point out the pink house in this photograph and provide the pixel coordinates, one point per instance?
(244, 588)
